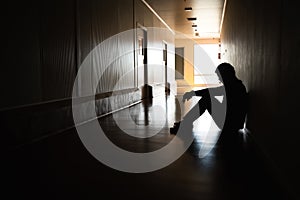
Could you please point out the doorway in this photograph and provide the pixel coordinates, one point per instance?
(142, 62)
(165, 59)
(179, 63)
(142, 56)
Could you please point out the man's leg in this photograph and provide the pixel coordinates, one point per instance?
(187, 123)
(202, 105)
(218, 112)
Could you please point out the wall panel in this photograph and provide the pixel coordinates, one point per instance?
(20, 54)
(261, 38)
(57, 53)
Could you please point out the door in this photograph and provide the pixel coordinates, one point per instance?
(179, 63)
(165, 58)
(142, 64)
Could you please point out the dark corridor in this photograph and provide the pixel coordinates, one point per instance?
(46, 45)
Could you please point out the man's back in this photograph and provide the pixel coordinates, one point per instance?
(236, 97)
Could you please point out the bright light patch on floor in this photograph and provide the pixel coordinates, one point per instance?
(206, 134)
(205, 130)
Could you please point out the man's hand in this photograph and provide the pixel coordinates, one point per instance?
(187, 96)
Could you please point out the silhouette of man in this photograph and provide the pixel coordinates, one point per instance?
(229, 115)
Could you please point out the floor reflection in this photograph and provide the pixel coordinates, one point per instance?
(206, 132)
(150, 121)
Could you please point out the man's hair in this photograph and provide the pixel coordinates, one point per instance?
(225, 70)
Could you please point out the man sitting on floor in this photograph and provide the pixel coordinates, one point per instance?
(229, 115)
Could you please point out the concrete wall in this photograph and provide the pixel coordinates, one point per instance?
(261, 39)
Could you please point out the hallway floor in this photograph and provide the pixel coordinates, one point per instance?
(59, 167)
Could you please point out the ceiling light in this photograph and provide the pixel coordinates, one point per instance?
(188, 8)
(191, 18)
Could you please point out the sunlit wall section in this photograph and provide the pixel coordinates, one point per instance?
(205, 62)
(161, 55)
(159, 38)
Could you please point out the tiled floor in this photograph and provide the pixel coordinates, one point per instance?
(60, 167)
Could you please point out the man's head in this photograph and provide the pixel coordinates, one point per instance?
(225, 72)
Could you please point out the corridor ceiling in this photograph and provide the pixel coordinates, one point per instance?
(175, 13)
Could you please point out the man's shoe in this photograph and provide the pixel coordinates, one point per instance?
(174, 129)
(177, 124)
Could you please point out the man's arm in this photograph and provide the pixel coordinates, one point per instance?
(217, 91)
(188, 95)
(201, 92)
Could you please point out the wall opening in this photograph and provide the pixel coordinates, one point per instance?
(204, 69)
(179, 63)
